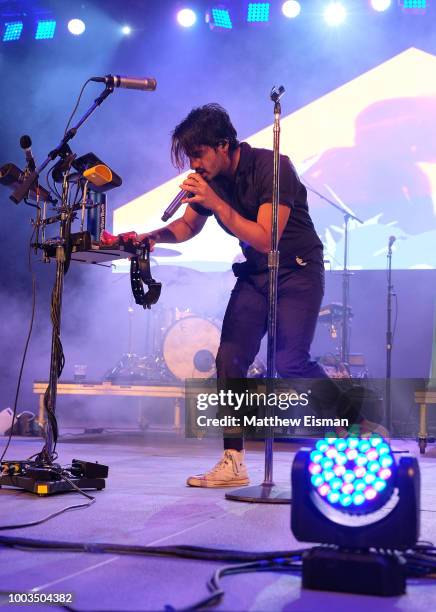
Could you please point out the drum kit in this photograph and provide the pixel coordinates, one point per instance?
(181, 340)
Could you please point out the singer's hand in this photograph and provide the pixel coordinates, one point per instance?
(203, 192)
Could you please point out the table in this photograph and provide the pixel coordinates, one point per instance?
(423, 398)
(177, 392)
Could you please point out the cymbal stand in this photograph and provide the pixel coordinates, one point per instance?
(345, 324)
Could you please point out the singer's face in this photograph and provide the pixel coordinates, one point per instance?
(210, 161)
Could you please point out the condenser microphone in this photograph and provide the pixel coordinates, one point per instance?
(26, 144)
(175, 204)
(115, 80)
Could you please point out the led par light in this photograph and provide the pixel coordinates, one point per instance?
(341, 490)
(350, 493)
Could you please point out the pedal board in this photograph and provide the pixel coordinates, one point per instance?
(47, 480)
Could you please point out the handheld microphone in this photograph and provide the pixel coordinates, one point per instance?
(115, 80)
(175, 204)
(25, 144)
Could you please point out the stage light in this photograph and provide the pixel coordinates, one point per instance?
(381, 5)
(350, 493)
(291, 9)
(126, 30)
(12, 31)
(258, 12)
(45, 29)
(219, 17)
(186, 17)
(335, 13)
(76, 27)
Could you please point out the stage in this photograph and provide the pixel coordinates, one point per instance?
(147, 503)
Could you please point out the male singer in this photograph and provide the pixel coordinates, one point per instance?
(233, 182)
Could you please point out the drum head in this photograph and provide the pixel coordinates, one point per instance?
(190, 347)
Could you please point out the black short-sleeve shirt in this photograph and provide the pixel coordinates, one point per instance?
(250, 188)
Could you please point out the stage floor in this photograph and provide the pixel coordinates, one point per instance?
(146, 502)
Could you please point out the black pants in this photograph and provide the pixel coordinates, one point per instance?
(245, 322)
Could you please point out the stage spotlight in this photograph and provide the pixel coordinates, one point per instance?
(341, 480)
(186, 17)
(291, 9)
(335, 13)
(76, 27)
(350, 493)
(258, 12)
(126, 30)
(219, 17)
(45, 29)
(12, 31)
(381, 5)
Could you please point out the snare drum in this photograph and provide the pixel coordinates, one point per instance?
(190, 346)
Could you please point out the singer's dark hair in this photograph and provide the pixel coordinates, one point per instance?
(208, 125)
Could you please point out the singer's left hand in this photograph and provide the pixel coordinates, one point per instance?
(203, 192)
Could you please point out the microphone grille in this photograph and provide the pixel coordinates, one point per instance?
(25, 142)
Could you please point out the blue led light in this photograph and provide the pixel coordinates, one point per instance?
(383, 449)
(333, 497)
(349, 476)
(317, 480)
(386, 461)
(379, 484)
(327, 463)
(322, 445)
(361, 460)
(341, 459)
(221, 18)
(364, 445)
(358, 499)
(258, 12)
(12, 31)
(373, 466)
(340, 444)
(353, 442)
(359, 484)
(316, 456)
(45, 29)
(345, 500)
(329, 475)
(336, 483)
(369, 478)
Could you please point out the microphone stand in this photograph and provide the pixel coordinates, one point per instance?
(47, 454)
(389, 339)
(344, 352)
(268, 492)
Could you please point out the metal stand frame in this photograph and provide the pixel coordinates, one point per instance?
(50, 427)
(268, 492)
(389, 340)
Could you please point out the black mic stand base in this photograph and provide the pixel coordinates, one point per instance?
(264, 493)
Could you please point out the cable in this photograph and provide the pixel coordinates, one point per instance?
(77, 105)
(48, 517)
(29, 334)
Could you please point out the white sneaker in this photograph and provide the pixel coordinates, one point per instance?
(230, 471)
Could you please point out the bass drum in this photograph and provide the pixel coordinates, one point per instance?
(190, 346)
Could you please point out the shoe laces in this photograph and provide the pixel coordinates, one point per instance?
(228, 456)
